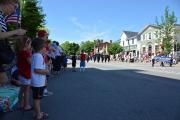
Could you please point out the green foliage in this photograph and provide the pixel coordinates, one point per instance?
(167, 30)
(12, 26)
(167, 45)
(114, 48)
(70, 48)
(87, 46)
(32, 17)
(74, 48)
(66, 47)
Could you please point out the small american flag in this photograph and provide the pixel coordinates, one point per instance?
(15, 17)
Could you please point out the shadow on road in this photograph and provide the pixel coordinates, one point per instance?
(109, 95)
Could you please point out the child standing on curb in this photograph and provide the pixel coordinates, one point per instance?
(39, 72)
(24, 72)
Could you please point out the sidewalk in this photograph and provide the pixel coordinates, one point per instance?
(145, 68)
(142, 63)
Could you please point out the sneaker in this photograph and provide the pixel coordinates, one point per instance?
(48, 93)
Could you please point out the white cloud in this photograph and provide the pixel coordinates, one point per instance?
(76, 22)
(128, 28)
(93, 35)
(90, 32)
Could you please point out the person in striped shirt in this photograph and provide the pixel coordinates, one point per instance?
(7, 7)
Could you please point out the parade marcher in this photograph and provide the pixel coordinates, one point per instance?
(7, 7)
(105, 58)
(108, 57)
(162, 64)
(171, 62)
(65, 60)
(98, 58)
(74, 62)
(102, 58)
(153, 62)
(94, 58)
(82, 61)
(88, 58)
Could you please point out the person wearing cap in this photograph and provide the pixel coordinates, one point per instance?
(42, 34)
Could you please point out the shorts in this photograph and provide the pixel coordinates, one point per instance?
(37, 92)
(24, 81)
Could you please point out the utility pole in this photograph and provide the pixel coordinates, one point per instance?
(129, 50)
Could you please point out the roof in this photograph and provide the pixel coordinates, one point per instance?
(146, 27)
(135, 37)
(177, 24)
(130, 33)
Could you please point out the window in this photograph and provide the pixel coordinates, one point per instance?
(150, 49)
(156, 48)
(156, 34)
(132, 40)
(144, 37)
(144, 50)
(149, 36)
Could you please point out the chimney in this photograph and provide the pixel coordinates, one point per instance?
(110, 41)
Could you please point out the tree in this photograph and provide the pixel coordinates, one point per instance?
(87, 46)
(114, 48)
(66, 47)
(167, 30)
(70, 48)
(74, 48)
(32, 17)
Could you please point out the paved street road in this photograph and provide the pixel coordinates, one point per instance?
(112, 91)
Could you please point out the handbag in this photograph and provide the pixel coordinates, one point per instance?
(6, 53)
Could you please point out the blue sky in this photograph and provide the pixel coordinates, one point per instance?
(80, 20)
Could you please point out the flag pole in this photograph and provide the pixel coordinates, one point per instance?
(20, 9)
